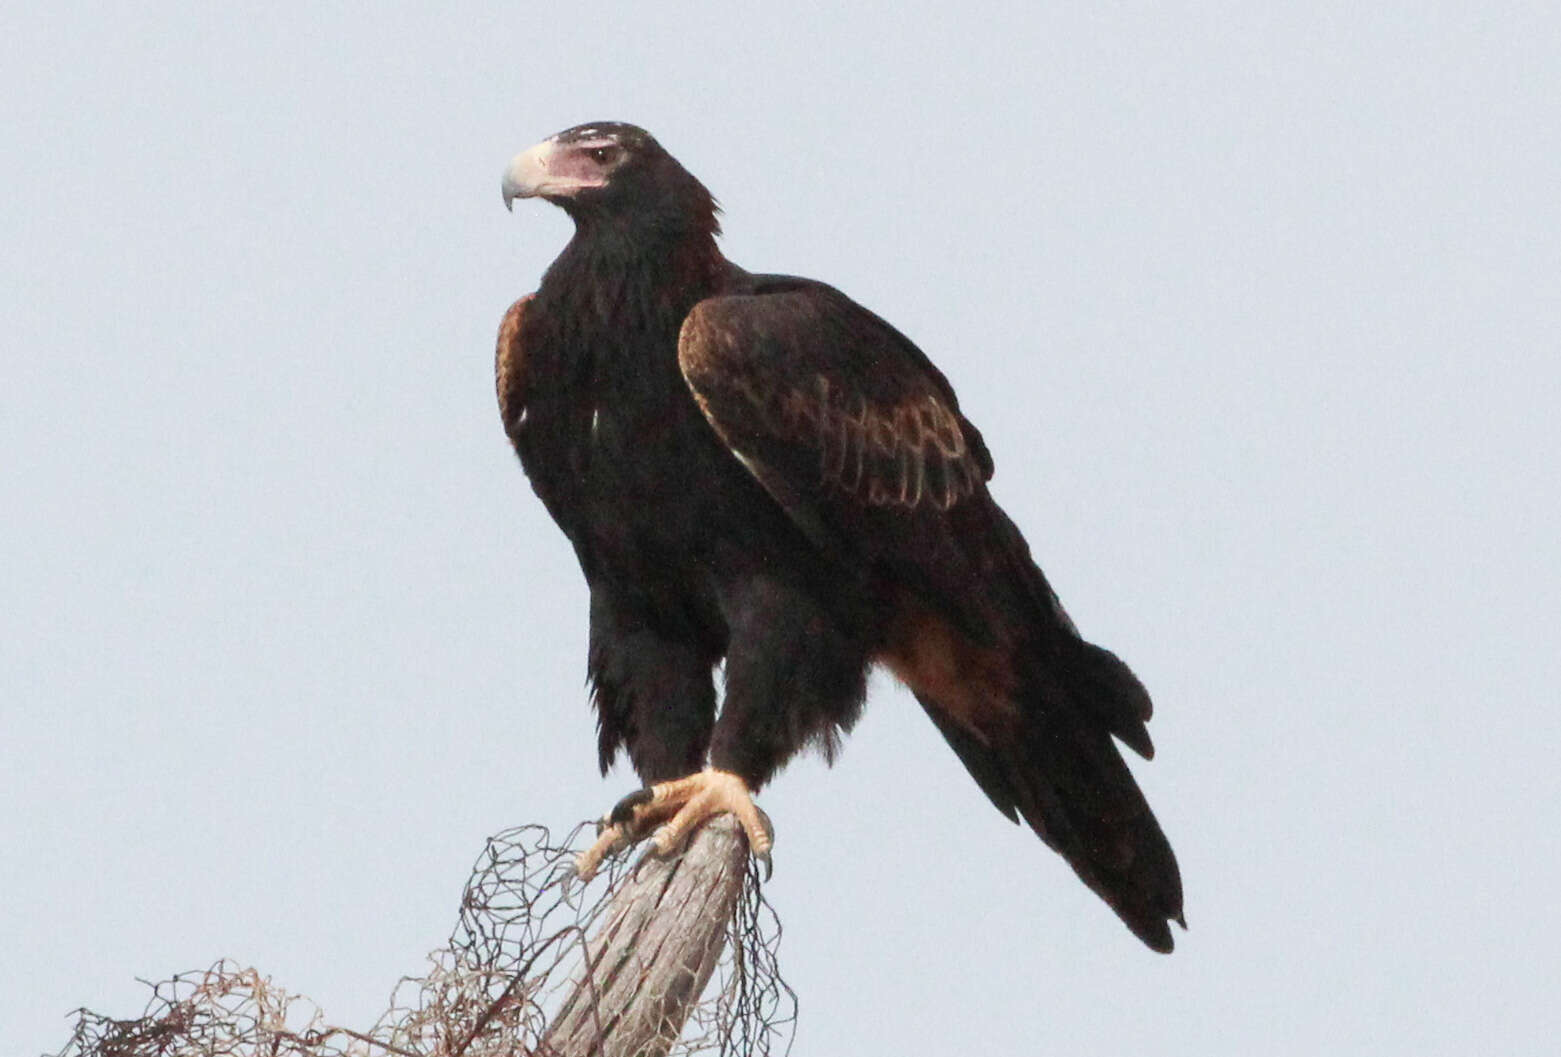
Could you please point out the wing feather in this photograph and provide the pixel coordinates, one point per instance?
(509, 368)
(819, 397)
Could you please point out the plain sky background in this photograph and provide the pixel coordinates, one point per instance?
(1259, 309)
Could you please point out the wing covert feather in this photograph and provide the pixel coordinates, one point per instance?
(816, 395)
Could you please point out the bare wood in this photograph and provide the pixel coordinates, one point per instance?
(655, 950)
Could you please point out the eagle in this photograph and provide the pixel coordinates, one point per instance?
(760, 475)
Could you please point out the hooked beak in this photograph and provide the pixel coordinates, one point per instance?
(527, 174)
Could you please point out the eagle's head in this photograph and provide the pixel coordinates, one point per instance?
(609, 170)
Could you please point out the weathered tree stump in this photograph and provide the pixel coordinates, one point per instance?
(654, 952)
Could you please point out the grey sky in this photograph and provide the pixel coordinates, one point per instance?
(1258, 310)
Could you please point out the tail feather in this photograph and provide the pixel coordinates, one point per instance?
(1077, 793)
(1062, 773)
(1072, 785)
(1034, 713)
(1109, 689)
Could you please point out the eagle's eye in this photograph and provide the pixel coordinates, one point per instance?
(602, 155)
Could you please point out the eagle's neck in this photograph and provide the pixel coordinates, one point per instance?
(640, 276)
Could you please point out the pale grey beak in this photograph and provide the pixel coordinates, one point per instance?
(527, 175)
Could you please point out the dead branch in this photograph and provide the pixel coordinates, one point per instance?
(651, 958)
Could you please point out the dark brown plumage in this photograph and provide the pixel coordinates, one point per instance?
(755, 469)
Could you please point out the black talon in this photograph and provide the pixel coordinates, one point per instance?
(623, 810)
(769, 831)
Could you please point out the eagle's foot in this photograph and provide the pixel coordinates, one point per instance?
(675, 809)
